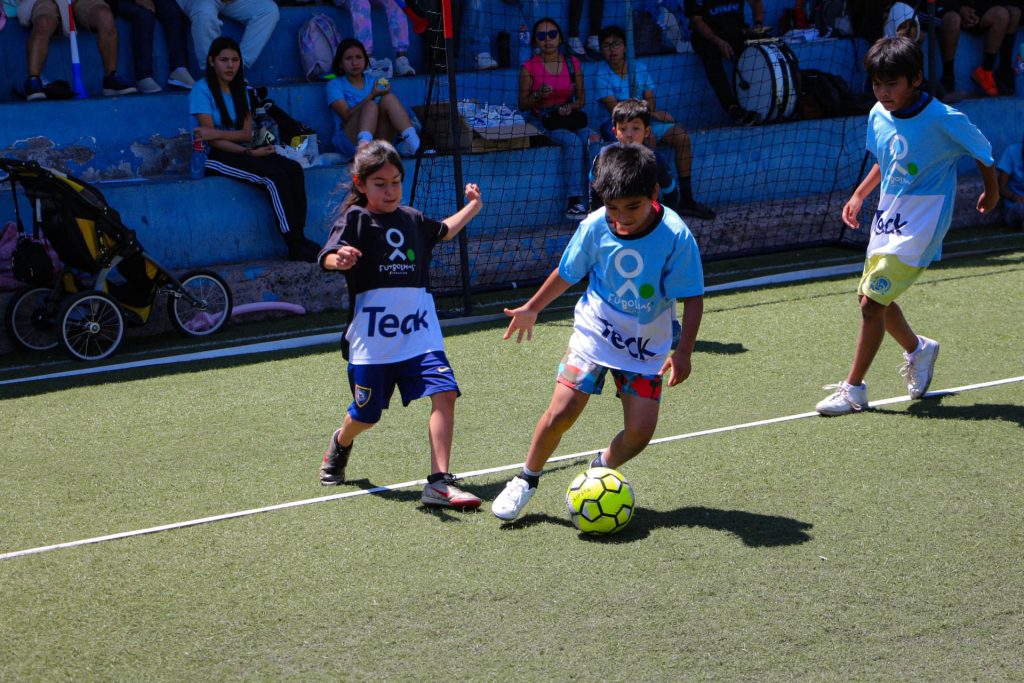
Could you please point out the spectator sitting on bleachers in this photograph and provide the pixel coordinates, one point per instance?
(1010, 171)
(717, 33)
(259, 17)
(366, 108)
(219, 102)
(44, 16)
(613, 86)
(398, 29)
(551, 92)
(997, 22)
(143, 15)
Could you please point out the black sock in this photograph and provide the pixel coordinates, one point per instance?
(1006, 52)
(988, 60)
(436, 477)
(529, 479)
(685, 191)
(948, 71)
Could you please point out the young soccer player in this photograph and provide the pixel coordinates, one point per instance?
(639, 258)
(631, 124)
(917, 141)
(393, 336)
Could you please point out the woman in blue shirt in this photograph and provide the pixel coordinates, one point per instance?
(219, 102)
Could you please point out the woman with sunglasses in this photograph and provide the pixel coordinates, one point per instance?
(551, 92)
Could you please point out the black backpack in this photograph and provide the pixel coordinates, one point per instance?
(826, 95)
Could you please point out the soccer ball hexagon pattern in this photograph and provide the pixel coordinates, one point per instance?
(600, 501)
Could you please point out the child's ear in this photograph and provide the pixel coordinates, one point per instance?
(358, 184)
(655, 192)
(918, 80)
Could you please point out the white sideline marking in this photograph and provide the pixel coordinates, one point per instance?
(474, 473)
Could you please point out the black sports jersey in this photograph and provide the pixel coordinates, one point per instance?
(724, 17)
(392, 316)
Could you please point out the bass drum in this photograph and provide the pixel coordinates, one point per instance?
(767, 80)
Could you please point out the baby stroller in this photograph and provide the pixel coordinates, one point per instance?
(80, 307)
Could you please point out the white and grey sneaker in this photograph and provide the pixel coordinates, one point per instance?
(918, 367)
(444, 493)
(484, 62)
(381, 68)
(576, 46)
(845, 399)
(181, 78)
(403, 67)
(148, 86)
(512, 499)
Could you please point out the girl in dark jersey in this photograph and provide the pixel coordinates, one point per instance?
(393, 337)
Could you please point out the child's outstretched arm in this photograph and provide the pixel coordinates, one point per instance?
(457, 221)
(990, 195)
(525, 317)
(852, 209)
(679, 361)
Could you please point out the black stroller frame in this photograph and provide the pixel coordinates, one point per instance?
(88, 321)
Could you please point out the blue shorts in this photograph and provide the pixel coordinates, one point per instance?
(373, 385)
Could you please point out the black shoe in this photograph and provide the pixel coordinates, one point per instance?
(695, 209)
(303, 250)
(743, 117)
(576, 212)
(332, 469)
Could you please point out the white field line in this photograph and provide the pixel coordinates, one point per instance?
(464, 475)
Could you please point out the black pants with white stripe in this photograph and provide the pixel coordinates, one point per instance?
(281, 178)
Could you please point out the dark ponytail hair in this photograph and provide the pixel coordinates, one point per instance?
(237, 84)
(370, 158)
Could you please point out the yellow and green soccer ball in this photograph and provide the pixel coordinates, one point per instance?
(600, 501)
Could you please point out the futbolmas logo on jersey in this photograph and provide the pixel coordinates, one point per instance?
(900, 173)
(630, 296)
(399, 261)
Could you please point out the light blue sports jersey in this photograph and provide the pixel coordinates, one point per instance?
(200, 101)
(624, 319)
(917, 155)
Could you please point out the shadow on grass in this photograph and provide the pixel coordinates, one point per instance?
(932, 408)
(754, 530)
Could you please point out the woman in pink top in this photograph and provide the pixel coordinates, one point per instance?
(551, 92)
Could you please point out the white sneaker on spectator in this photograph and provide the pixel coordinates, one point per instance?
(181, 78)
(593, 44)
(381, 68)
(484, 62)
(576, 46)
(683, 47)
(148, 86)
(403, 67)
(845, 399)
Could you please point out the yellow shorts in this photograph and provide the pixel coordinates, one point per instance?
(886, 277)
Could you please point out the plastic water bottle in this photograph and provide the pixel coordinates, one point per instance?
(197, 164)
(525, 51)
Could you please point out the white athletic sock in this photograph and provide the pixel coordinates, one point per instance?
(364, 136)
(530, 473)
(409, 134)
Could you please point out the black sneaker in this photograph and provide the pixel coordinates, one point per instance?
(576, 212)
(332, 469)
(695, 209)
(743, 117)
(114, 84)
(34, 89)
(305, 250)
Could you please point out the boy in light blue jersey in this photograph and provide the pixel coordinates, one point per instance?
(639, 257)
(917, 141)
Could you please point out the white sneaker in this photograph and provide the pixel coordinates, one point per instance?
(403, 67)
(593, 44)
(407, 146)
(846, 399)
(576, 46)
(148, 86)
(918, 368)
(484, 62)
(683, 47)
(381, 68)
(181, 78)
(512, 499)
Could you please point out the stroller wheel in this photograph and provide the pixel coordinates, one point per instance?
(202, 306)
(31, 319)
(90, 325)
